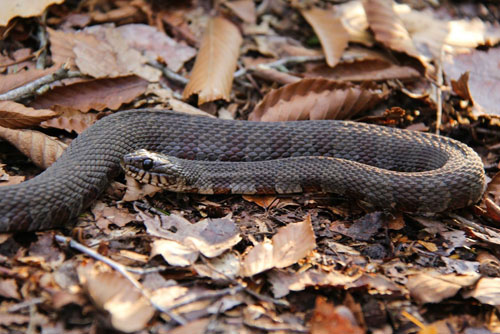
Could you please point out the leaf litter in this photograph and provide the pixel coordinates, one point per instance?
(174, 263)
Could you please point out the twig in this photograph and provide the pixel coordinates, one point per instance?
(122, 270)
(169, 74)
(439, 97)
(31, 87)
(207, 295)
(42, 35)
(279, 63)
(27, 303)
(469, 223)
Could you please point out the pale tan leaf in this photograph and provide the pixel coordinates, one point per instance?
(244, 9)
(330, 31)
(388, 26)
(9, 289)
(15, 80)
(61, 46)
(40, 148)
(315, 99)
(23, 8)
(289, 245)
(487, 291)
(106, 215)
(128, 309)
(354, 21)
(174, 253)
(71, 120)
(15, 115)
(212, 74)
(97, 94)
(433, 287)
(136, 190)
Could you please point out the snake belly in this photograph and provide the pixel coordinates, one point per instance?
(387, 167)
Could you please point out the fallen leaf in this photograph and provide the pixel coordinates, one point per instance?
(21, 78)
(24, 8)
(174, 253)
(136, 190)
(265, 202)
(433, 287)
(330, 31)
(487, 291)
(290, 244)
(328, 319)
(198, 326)
(106, 215)
(129, 310)
(97, 94)
(70, 120)
(40, 148)
(244, 9)
(8, 288)
(7, 319)
(315, 99)
(222, 267)
(14, 115)
(212, 74)
(353, 17)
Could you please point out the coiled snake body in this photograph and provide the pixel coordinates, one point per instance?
(386, 167)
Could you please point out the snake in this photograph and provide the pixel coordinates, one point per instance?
(385, 167)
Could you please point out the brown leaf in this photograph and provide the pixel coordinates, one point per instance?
(136, 190)
(461, 86)
(289, 245)
(433, 287)
(328, 319)
(14, 115)
(315, 99)
(264, 201)
(40, 148)
(212, 74)
(330, 31)
(97, 94)
(354, 20)
(8, 288)
(388, 27)
(15, 80)
(23, 8)
(106, 215)
(244, 9)
(71, 120)
(128, 309)
(487, 291)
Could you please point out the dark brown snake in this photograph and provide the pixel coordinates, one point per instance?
(389, 168)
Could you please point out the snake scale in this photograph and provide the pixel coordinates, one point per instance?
(387, 167)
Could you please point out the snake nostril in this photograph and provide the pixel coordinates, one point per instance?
(147, 164)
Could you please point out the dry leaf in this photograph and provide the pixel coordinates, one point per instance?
(97, 94)
(40, 148)
(433, 287)
(18, 79)
(8, 288)
(244, 9)
(136, 190)
(289, 245)
(388, 27)
(23, 8)
(212, 74)
(71, 120)
(15, 115)
(128, 309)
(330, 31)
(105, 215)
(329, 319)
(353, 17)
(264, 201)
(487, 291)
(315, 99)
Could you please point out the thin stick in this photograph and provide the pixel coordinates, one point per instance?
(122, 270)
(439, 97)
(31, 87)
(280, 62)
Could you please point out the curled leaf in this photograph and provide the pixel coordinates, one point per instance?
(17, 116)
(212, 74)
(315, 99)
(43, 150)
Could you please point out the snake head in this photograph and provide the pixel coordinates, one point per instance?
(153, 168)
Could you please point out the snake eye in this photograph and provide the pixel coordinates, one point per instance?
(147, 164)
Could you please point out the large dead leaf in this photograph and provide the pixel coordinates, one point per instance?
(289, 245)
(353, 17)
(487, 291)
(23, 8)
(315, 99)
(212, 74)
(484, 74)
(330, 31)
(97, 94)
(210, 237)
(71, 120)
(40, 148)
(15, 80)
(15, 115)
(129, 310)
(388, 27)
(433, 287)
(330, 319)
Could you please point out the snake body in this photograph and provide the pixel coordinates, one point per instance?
(386, 167)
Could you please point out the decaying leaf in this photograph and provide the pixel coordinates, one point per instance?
(289, 245)
(388, 27)
(9, 289)
(330, 31)
(15, 80)
(105, 215)
(16, 116)
(23, 8)
(353, 17)
(244, 9)
(40, 148)
(212, 74)
(487, 291)
(315, 99)
(71, 120)
(136, 190)
(330, 319)
(433, 287)
(129, 310)
(96, 94)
